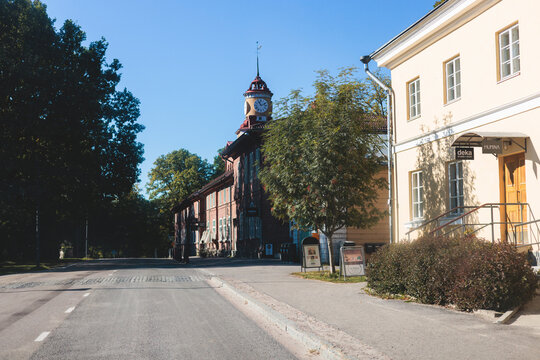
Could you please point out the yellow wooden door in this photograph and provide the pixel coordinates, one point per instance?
(515, 194)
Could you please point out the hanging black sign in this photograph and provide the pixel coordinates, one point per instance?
(252, 212)
(464, 153)
(492, 146)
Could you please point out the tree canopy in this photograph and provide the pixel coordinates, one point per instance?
(68, 137)
(322, 155)
(175, 176)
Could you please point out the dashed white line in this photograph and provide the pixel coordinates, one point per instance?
(70, 310)
(85, 295)
(42, 336)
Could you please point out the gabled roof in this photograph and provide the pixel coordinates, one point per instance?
(237, 147)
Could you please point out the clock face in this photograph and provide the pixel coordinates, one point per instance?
(246, 108)
(261, 105)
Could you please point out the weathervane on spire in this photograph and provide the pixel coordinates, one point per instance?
(258, 48)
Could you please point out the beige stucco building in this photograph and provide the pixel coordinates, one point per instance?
(466, 76)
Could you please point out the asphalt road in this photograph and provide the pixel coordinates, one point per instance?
(125, 309)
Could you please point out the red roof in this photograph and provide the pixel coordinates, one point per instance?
(258, 86)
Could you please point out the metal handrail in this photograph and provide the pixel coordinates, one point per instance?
(491, 206)
(451, 211)
(536, 222)
(459, 217)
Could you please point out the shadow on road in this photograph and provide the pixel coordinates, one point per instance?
(146, 263)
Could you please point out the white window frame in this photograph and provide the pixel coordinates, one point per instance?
(512, 48)
(413, 93)
(454, 185)
(452, 70)
(417, 190)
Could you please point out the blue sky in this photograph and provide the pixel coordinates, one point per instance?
(189, 62)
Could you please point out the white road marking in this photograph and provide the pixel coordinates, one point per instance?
(110, 274)
(85, 295)
(42, 336)
(70, 310)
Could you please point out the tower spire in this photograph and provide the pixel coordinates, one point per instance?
(258, 48)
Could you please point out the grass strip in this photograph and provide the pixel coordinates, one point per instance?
(17, 267)
(326, 276)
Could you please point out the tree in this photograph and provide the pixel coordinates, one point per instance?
(175, 176)
(218, 167)
(321, 157)
(67, 136)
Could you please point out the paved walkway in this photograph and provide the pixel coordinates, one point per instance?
(364, 326)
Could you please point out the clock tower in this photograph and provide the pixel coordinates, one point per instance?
(257, 104)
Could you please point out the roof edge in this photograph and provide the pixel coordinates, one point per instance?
(395, 38)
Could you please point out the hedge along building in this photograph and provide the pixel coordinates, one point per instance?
(465, 83)
(232, 214)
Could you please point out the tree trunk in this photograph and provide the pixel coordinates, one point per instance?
(330, 252)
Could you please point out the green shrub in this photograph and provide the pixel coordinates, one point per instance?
(467, 271)
(385, 269)
(430, 274)
(494, 277)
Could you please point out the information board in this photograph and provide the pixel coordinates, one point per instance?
(312, 257)
(352, 261)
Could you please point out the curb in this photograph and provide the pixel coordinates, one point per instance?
(504, 318)
(309, 340)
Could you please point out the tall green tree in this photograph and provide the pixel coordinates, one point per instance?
(67, 135)
(175, 176)
(321, 156)
(218, 167)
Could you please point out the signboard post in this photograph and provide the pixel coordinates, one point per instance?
(311, 254)
(352, 261)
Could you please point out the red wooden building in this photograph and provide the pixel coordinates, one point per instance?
(231, 215)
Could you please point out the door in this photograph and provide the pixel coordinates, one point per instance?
(515, 194)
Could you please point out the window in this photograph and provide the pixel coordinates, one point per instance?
(214, 227)
(453, 79)
(246, 169)
(221, 228)
(417, 193)
(251, 167)
(509, 52)
(414, 98)
(455, 177)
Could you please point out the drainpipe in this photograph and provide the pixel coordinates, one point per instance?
(389, 108)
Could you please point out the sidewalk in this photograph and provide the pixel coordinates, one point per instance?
(363, 326)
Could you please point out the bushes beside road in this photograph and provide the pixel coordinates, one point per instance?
(467, 272)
